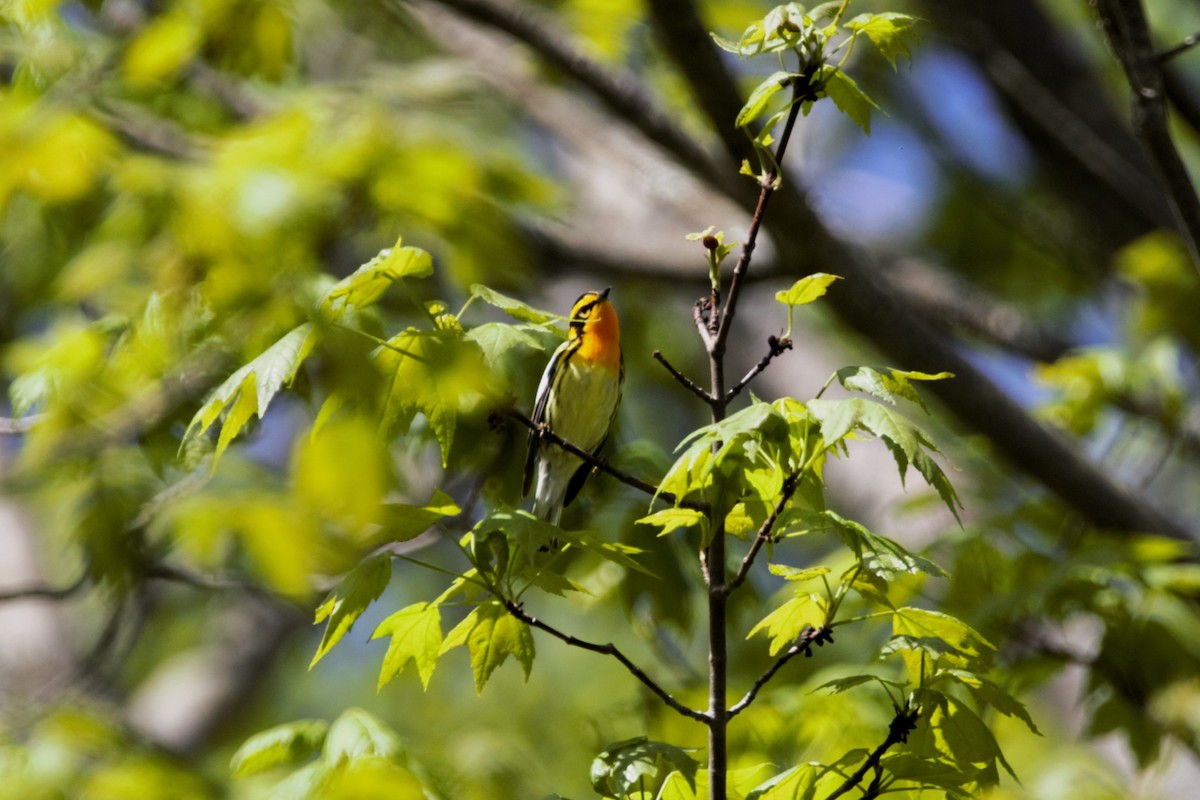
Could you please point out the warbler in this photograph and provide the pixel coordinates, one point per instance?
(577, 399)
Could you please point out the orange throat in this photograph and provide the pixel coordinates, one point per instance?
(602, 338)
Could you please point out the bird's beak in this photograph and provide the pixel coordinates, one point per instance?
(604, 294)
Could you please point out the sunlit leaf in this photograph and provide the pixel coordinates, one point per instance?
(761, 96)
(416, 633)
(350, 599)
(846, 95)
(367, 284)
(671, 519)
(514, 308)
(907, 443)
(785, 624)
(887, 384)
(807, 289)
(624, 766)
(248, 392)
(281, 746)
(491, 635)
(359, 735)
(890, 32)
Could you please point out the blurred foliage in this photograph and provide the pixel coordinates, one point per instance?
(223, 397)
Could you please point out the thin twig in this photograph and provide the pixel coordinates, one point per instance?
(608, 649)
(790, 484)
(904, 723)
(768, 183)
(776, 347)
(808, 637)
(684, 380)
(602, 465)
(1189, 41)
(45, 592)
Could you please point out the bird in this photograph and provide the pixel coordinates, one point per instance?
(577, 400)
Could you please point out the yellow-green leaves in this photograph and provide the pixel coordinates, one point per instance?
(938, 637)
(761, 96)
(416, 635)
(886, 383)
(280, 746)
(366, 285)
(670, 519)
(248, 392)
(845, 94)
(890, 32)
(356, 756)
(350, 599)
(514, 308)
(785, 624)
(803, 292)
(908, 444)
(625, 767)
(491, 635)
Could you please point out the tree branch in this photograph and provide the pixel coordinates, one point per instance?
(44, 592)
(776, 348)
(608, 649)
(598, 463)
(904, 723)
(1124, 23)
(808, 637)
(684, 380)
(807, 245)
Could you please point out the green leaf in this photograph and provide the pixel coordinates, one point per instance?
(514, 308)
(907, 443)
(890, 32)
(761, 96)
(878, 554)
(401, 522)
(961, 637)
(886, 383)
(281, 746)
(985, 691)
(367, 284)
(839, 685)
(416, 633)
(495, 339)
(624, 766)
(846, 95)
(807, 289)
(954, 730)
(796, 574)
(435, 373)
(670, 519)
(350, 599)
(929, 772)
(358, 735)
(785, 624)
(491, 635)
(796, 783)
(250, 390)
